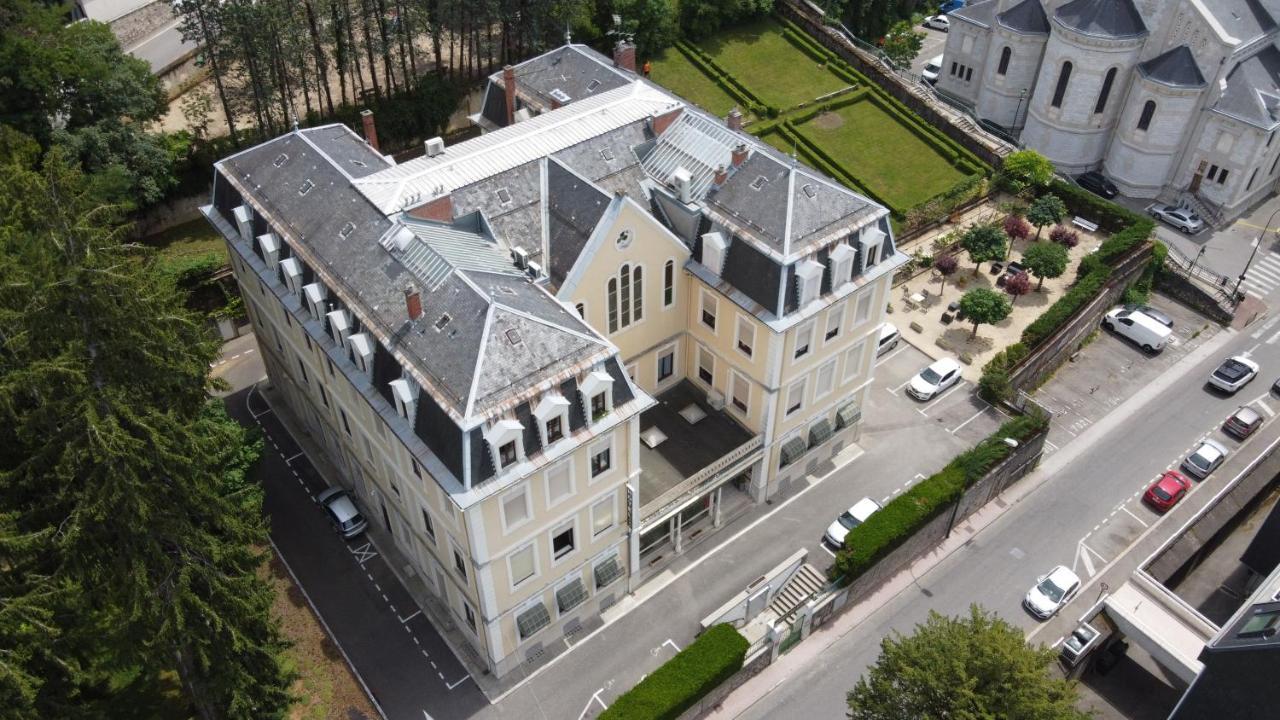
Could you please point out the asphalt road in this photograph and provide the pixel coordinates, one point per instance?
(1087, 499)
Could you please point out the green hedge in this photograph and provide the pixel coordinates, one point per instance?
(1109, 216)
(727, 82)
(906, 514)
(684, 679)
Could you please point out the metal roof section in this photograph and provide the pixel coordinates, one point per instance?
(437, 249)
(426, 178)
(1253, 90)
(697, 143)
(1175, 68)
(979, 13)
(1027, 17)
(1117, 19)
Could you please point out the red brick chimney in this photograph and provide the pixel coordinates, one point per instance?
(509, 84)
(413, 302)
(624, 55)
(734, 121)
(370, 130)
(739, 154)
(721, 175)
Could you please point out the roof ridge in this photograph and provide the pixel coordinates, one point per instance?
(485, 332)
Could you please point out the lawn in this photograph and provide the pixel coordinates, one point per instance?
(882, 154)
(193, 244)
(672, 70)
(769, 65)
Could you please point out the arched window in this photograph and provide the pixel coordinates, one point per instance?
(637, 294)
(625, 297)
(613, 304)
(1004, 60)
(1106, 91)
(624, 275)
(1148, 111)
(1064, 77)
(669, 283)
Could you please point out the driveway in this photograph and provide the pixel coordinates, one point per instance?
(935, 41)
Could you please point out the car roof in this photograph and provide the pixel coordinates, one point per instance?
(1171, 480)
(864, 508)
(1242, 360)
(1246, 414)
(340, 505)
(1149, 323)
(1062, 576)
(888, 329)
(1210, 449)
(943, 365)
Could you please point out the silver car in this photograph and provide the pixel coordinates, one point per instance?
(342, 512)
(1179, 217)
(1205, 459)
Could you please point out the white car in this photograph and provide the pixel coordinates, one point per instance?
(1051, 591)
(1179, 217)
(888, 338)
(934, 380)
(931, 70)
(938, 22)
(1205, 459)
(1234, 373)
(848, 520)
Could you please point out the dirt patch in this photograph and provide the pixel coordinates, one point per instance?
(827, 121)
(325, 689)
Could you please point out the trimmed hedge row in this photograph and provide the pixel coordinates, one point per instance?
(1109, 216)
(730, 84)
(814, 151)
(940, 143)
(902, 517)
(684, 679)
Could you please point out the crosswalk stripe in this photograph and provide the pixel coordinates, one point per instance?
(1251, 292)
(1261, 285)
(1268, 273)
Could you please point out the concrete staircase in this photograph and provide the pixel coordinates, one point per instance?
(804, 584)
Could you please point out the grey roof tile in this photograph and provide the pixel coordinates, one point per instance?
(756, 197)
(1253, 90)
(1103, 18)
(348, 150)
(575, 70)
(979, 13)
(1176, 67)
(574, 207)
(1245, 20)
(1027, 17)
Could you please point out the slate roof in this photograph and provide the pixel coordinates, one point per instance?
(470, 362)
(1027, 17)
(979, 13)
(575, 70)
(1244, 20)
(574, 207)
(1176, 68)
(1253, 90)
(1102, 18)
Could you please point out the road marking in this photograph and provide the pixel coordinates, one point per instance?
(363, 554)
(1266, 326)
(1082, 552)
(595, 698)
(890, 356)
(1135, 517)
(934, 402)
(1017, 553)
(295, 457)
(1265, 407)
(404, 620)
(459, 682)
(672, 644)
(966, 422)
(425, 715)
(826, 549)
(908, 382)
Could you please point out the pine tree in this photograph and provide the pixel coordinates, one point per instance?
(123, 490)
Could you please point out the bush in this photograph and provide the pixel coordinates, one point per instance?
(994, 383)
(1066, 306)
(902, 517)
(1064, 236)
(1109, 216)
(684, 679)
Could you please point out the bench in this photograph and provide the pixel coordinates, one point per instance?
(1083, 224)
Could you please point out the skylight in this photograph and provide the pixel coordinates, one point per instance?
(280, 160)
(595, 83)
(759, 182)
(606, 154)
(513, 336)
(504, 196)
(442, 321)
(809, 190)
(346, 230)
(307, 186)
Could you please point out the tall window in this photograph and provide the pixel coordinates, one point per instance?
(669, 283)
(1064, 77)
(613, 304)
(1003, 67)
(637, 293)
(624, 278)
(706, 366)
(746, 336)
(625, 297)
(666, 365)
(709, 309)
(1148, 112)
(1106, 91)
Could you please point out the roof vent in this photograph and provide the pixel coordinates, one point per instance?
(435, 146)
(281, 159)
(513, 336)
(346, 230)
(759, 182)
(359, 163)
(560, 96)
(595, 83)
(534, 270)
(506, 290)
(307, 186)
(521, 257)
(810, 191)
(606, 154)
(442, 321)
(504, 196)
(682, 181)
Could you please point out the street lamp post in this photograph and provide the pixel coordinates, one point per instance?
(1235, 294)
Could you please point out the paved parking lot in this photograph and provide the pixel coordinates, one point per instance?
(934, 43)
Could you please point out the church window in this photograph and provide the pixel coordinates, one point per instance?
(1064, 77)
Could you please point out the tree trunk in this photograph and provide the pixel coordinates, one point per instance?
(974, 334)
(322, 63)
(211, 47)
(433, 20)
(368, 48)
(387, 65)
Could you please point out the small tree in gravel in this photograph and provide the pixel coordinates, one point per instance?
(1046, 210)
(1064, 236)
(984, 307)
(983, 243)
(1017, 285)
(1045, 260)
(1015, 228)
(946, 265)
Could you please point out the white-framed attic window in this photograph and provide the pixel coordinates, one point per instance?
(362, 352)
(405, 393)
(315, 294)
(339, 326)
(552, 413)
(841, 262)
(292, 271)
(809, 276)
(870, 240)
(270, 250)
(506, 443)
(244, 222)
(597, 395)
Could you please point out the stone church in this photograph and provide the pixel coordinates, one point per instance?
(1172, 99)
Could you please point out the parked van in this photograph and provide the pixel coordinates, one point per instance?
(888, 338)
(1138, 327)
(931, 69)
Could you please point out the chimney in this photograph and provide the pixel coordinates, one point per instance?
(509, 84)
(413, 302)
(624, 55)
(721, 176)
(734, 121)
(739, 154)
(370, 130)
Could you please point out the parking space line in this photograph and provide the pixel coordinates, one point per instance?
(407, 619)
(1135, 517)
(891, 355)
(1265, 407)
(464, 679)
(908, 381)
(966, 422)
(288, 461)
(933, 403)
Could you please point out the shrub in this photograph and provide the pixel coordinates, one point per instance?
(1016, 228)
(1028, 167)
(903, 516)
(1109, 216)
(1064, 236)
(684, 679)
(1066, 306)
(1017, 285)
(994, 383)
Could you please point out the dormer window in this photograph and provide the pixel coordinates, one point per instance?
(270, 245)
(713, 251)
(405, 394)
(314, 294)
(597, 393)
(870, 241)
(552, 413)
(506, 442)
(809, 277)
(292, 271)
(841, 263)
(339, 326)
(244, 222)
(362, 352)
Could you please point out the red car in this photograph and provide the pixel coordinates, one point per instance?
(1165, 492)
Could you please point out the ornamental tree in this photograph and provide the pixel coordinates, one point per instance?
(1046, 210)
(984, 306)
(1017, 285)
(946, 265)
(1029, 167)
(1045, 260)
(902, 43)
(984, 243)
(977, 666)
